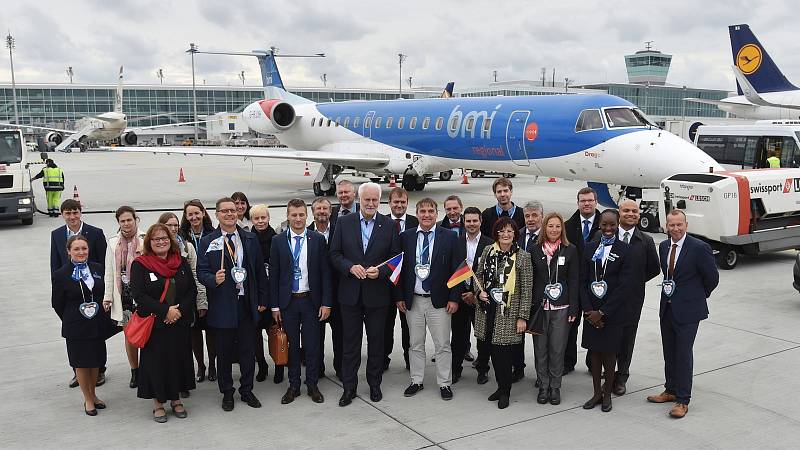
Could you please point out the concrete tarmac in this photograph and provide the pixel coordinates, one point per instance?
(747, 354)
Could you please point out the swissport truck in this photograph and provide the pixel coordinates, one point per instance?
(739, 211)
(16, 195)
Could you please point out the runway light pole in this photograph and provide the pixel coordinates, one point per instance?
(241, 77)
(192, 50)
(70, 73)
(160, 76)
(10, 46)
(400, 58)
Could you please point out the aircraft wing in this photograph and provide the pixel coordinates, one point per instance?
(10, 125)
(719, 103)
(151, 127)
(753, 96)
(76, 136)
(364, 161)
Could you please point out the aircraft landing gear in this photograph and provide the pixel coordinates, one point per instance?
(413, 182)
(325, 182)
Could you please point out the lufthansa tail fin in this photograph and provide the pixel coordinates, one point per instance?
(448, 90)
(750, 57)
(118, 95)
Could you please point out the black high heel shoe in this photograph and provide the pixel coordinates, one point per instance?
(201, 374)
(89, 412)
(212, 374)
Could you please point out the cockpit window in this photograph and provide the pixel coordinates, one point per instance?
(626, 117)
(589, 119)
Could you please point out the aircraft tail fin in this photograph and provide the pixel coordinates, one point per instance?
(755, 63)
(448, 90)
(118, 95)
(271, 77)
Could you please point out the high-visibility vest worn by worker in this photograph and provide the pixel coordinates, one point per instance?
(53, 179)
(774, 162)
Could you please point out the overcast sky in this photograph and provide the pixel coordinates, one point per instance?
(463, 40)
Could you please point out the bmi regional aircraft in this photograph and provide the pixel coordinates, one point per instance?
(599, 138)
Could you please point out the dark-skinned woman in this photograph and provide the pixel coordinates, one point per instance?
(77, 290)
(505, 274)
(163, 284)
(604, 292)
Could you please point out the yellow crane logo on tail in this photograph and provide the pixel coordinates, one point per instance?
(748, 60)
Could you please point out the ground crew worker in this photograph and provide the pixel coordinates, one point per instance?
(773, 160)
(53, 181)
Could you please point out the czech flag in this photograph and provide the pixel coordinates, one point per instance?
(396, 264)
(463, 273)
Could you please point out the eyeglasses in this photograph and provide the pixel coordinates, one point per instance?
(160, 239)
(226, 211)
(172, 225)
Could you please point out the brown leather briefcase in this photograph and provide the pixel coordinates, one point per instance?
(278, 345)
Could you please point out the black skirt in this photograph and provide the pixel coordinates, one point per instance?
(607, 339)
(165, 364)
(86, 353)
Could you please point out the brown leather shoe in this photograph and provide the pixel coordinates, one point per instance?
(679, 410)
(290, 395)
(315, 394)
(663, 397)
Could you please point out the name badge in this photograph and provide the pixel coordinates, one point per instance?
(239, 274)
(668, 287)
(266, 269)
(496, 294)
(88, 309)
(562, 260)
(599, 288)
(553, 291)
(297, 273)
(124, 279)
(153, 277)
(422, 271)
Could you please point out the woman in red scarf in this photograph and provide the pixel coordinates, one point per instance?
(163, 284)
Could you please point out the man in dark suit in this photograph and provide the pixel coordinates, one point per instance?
(471, 244)
(644, 261)
(432, 257)
(690, 275)
(452, 209)
(503, 190)
(73, 224)
(300, 295)
(346, 193)
(321, 210)
(361, 243)
(581, 228)
(231, 267)
(398, 204)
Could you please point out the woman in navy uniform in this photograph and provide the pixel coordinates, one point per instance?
(77, 290)
(604, 292)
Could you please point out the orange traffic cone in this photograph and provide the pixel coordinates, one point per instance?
(307, 173)
(181, 178)
(464, 179)
(392, 181)
(75, 195)
(551, 180)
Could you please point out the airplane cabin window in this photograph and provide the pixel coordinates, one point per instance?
(470, 123)
(338, 121)
(346, 122)
(623, 117)
(400, 122)
(329, 122)
(389, 121)
(412, 123)
(313, 120)
(454, 124)
(378, 122)
(426, 122)
(589, 119)
(367, 122)
(439, 122)
(356, 120)
(487, 125)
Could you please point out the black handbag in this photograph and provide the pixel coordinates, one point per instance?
(536, 321)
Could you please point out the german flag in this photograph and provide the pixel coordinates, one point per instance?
(463, 273)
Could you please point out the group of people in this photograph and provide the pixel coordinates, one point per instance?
(504, 272)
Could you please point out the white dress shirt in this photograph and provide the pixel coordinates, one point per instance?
(418, 259)
(326, 233)
(402, 221)
(302, 262)
(677, 250)
(621, 234)
(237, 242)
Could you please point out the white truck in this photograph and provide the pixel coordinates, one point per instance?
(16, 195)
(739, 211)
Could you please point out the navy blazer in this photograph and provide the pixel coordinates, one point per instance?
(445, 223)
(644, 259)
(58, 246)
(66, 299)
(489, 217)
(223, 300)
(335, 212)
(695, 277)
(445, 259)
(618, 276)
(568, 276)
(281, 270)
(574, 230)
(346, 251)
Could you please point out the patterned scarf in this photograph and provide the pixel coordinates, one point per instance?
(127, 250)
(604, 240)
(80, 271)
(550, 249)
(500, 269)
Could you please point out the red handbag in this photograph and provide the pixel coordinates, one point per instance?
(139, 328)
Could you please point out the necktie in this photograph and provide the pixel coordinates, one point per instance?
(585, 230)
(529, 244)
(397, 225)
(295, 279)
(505, 214)
(627, 237)
(671, 268)
(345, 211)
(425, 258)
(232, 253)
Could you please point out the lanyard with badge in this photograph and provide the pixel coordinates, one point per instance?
(554, 289)
(296, 254)
(196, 239)
(599, 286)
(668, 284)
(87, 309)
(423, 270)
(364, 236)
(238, 273)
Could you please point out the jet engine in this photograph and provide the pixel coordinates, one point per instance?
(54, 137)
(280, 116)
(128, 138)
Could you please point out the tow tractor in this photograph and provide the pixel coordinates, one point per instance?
(738, 212)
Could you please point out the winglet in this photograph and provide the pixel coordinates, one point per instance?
(752, 59)
(448, 90)
(118, 96)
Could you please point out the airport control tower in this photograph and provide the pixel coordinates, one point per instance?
(648, 66)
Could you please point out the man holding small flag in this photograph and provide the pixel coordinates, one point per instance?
(426, 298)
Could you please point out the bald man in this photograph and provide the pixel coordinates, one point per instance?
(644, 260)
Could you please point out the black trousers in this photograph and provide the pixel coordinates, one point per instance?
(518, 356)
(677, 341)
(571, 352)
(460, 324)
(625, 353)
(335, 322)
(301, 323)
(236, 343)
(502, 356)
(355, 319)
(388, 333)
